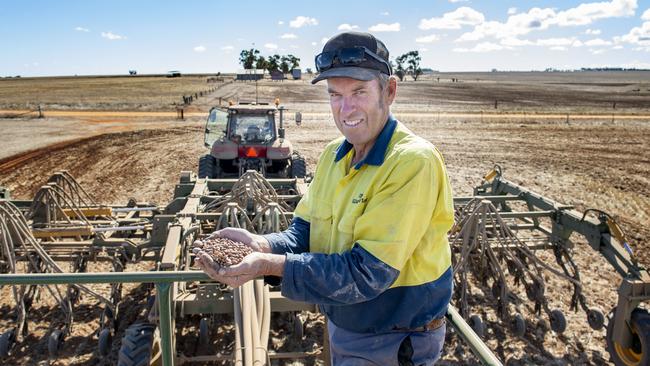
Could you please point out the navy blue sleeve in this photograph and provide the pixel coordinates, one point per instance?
(293, 240)
(336, 279)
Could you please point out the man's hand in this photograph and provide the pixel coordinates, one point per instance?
(254, 265)
(256, 242)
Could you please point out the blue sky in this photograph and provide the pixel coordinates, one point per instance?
(40, 38)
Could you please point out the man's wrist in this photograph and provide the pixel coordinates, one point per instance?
(274, 264)
(263, 244)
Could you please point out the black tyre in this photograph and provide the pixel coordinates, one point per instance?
(596, 319)
(639, 351)
(298, 167)
(207, 166)
(518, 325)
(140, 345)
(477, 325)
(7, 340)
(105, 341)
(55, 343)
(204, 332)
(557, 320)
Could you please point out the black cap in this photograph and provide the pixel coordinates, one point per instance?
(367, 70)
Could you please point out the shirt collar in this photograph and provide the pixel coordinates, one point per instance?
(377, 152)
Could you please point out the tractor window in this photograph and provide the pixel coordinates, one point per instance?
(254, 129)
(215, 128)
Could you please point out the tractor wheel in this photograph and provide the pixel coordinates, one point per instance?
(140, 346)
(298, 166)
(206, 166)
(639, 352)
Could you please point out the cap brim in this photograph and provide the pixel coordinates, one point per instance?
(352, 72)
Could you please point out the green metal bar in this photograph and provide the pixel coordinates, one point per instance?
(479, 348)
(102, 277)
(165, 318)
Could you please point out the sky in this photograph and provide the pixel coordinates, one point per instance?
(52, 38)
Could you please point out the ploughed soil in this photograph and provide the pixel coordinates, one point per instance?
(586, 162)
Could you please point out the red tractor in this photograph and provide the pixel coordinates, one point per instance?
(244, 137)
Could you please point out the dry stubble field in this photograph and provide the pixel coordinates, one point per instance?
(592, 162)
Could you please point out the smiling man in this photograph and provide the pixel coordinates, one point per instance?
(368, 242)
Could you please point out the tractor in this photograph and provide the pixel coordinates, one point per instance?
(245, 137)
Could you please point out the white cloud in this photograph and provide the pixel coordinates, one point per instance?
(385, 13)
(382, 27)
(587, 13)
(227, 48)
(515, 42)
(313, 43)
(596, 52)
(512, 11)
(280, 22)
(271, 46)
(112, 36)
(646, 14)
(555, 41)
(347, 27)
(302, 21)
(542, 18)
(293, 46)
(593, 32)
(199, 49)
(617, 47)
(288, 36)
(558, 48)
(597, 42)
(82, 29)
(427, 39)
(423, 49)
(637, 35)
(453, 20)
(482, 47)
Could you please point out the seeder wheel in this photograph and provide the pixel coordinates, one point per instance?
(7, 341)
(55, 342)
(638, 354)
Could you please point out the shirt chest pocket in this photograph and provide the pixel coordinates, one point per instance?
(320, 230)
(345, 229)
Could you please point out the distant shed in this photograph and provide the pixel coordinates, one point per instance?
(250, 74)
(277, 75)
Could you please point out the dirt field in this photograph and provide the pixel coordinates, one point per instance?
(586, 162)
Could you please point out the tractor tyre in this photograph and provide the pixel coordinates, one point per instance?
(207, 166)
(639, 352)
(298, 167)
(140, 346)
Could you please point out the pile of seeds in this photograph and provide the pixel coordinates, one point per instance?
(223, 251)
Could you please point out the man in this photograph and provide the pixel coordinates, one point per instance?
(368, 242)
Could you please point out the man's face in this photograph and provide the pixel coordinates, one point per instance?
(360, 108)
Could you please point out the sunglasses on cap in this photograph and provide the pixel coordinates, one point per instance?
(350, 56)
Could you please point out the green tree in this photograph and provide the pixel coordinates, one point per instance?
(400, 72)
(284, 64)
(413, 61)
(260, 63)
(294, 61)
(248, 57)
(273, 63)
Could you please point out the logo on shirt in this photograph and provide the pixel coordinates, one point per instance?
(359, 199)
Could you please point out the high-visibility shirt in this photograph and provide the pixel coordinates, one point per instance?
(369, 242)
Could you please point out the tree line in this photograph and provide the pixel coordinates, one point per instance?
(251, 59)
(406, 64)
